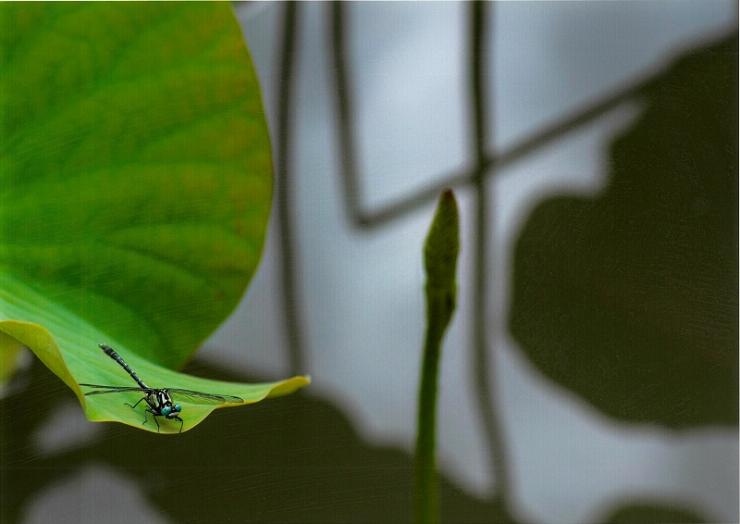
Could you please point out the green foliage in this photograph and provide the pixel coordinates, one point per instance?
(135, 188)
(630, 299)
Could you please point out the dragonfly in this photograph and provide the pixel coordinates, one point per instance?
(158, 400)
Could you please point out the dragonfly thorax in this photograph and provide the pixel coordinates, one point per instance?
(163, 398)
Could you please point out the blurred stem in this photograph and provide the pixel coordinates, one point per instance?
(440, 260)
(482, 378)
(284, 182)
(345, 115)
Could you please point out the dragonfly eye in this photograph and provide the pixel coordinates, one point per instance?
(178, 408)
(166, 410)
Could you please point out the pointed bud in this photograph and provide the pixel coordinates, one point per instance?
(442, 244)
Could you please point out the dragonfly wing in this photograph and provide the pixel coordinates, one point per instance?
(199, 396)
(111, 389)
(131, 388)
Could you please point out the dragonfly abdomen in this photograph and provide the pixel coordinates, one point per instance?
(115, 356)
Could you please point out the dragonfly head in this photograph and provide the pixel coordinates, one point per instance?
(170, 410)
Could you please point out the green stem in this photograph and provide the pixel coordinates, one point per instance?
(427, 503)
(440, 259)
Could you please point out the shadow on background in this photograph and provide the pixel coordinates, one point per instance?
(630, 299)
(292, 459)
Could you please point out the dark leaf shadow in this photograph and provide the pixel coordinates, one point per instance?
(293, 459)
(630, 299)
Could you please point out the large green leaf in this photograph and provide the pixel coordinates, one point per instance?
(135, 187)
(630, 299)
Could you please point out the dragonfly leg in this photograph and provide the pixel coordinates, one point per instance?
(154, 416)
(134, 406)
(181, 423)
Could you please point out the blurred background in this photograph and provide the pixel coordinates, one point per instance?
(590, 373)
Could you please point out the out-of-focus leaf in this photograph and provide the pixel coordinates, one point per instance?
(10, 349)
(630, 299)
(652, 513)
(135, 188)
